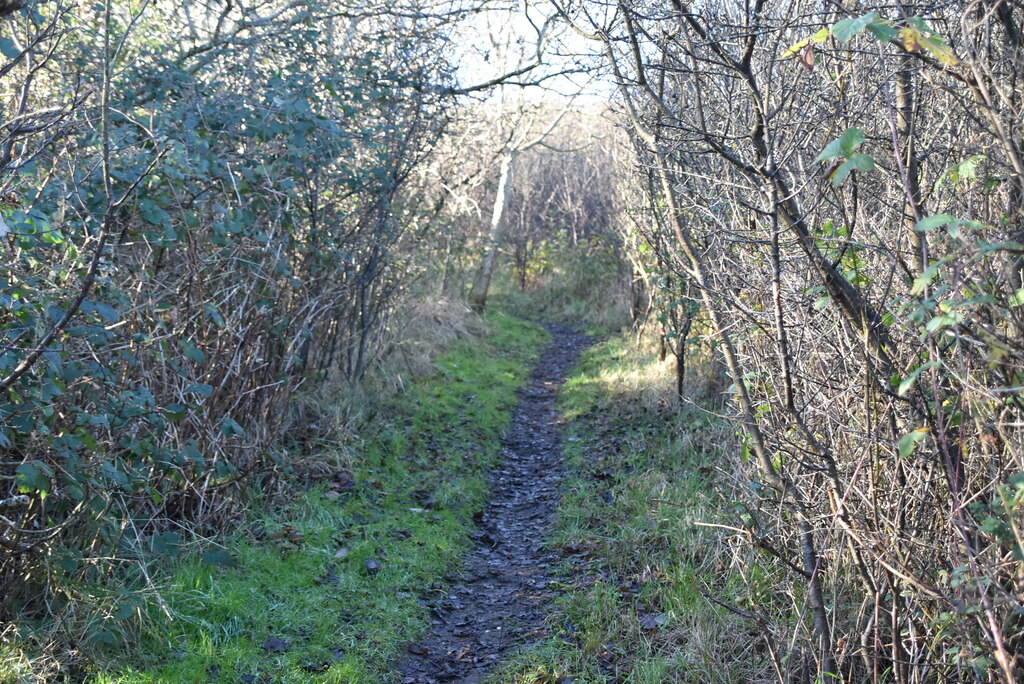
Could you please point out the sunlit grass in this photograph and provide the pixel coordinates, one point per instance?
(328, 588)
(643, 477)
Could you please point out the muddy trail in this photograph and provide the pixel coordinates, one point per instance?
(496, 602)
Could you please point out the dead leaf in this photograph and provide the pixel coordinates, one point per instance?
(287, 533)
(275, 645)
(330, 577)
(576, 547)
(373, 566)
(341, 553)
(807, 58)
(650, 622)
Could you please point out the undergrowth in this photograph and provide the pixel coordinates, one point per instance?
(326, 588)
(586, 286)
(634, 522)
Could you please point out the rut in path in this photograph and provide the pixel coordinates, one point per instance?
(497, 602)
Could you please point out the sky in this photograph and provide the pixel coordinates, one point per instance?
(499, 41)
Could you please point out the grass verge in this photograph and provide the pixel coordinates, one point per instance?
(643, 484)
(327, 587)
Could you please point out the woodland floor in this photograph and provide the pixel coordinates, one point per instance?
(497, 601)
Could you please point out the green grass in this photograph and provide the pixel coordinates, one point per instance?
(300, 574)
(642, 478)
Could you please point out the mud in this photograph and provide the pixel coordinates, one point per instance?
(496, 602)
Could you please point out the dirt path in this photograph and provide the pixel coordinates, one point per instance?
(497, 601)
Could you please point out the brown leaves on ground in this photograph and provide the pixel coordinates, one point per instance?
(276, 645)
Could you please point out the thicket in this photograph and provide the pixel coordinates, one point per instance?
(561, 238)
(835, 196)
(206, 207)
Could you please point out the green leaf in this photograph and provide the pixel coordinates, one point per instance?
(1017, 299)
(33, 476)
(8, 48)
(857, 162)
(155, 215)
(846, 29)
(218, 557)
(192, 352)
(106, 637)
(882, 31)
(961, 171)
(200, 388)
(107, 312)
(923, 281)
(909, 440)
(175, 412)
(944, 321)
(166, 543)
(909, 381)
(934, 221)
(125, 610)
(851, 140)
(230, 427)
(843, 146)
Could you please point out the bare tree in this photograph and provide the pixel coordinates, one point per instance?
(840, 190)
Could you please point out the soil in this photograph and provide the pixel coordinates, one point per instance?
(497, 601)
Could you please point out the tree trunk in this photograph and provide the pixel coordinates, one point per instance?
(905, 115)
(482, 280)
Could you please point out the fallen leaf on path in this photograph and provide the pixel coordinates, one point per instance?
(341, 553)
(373, 566)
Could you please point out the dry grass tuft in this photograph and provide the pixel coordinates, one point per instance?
(425, 329)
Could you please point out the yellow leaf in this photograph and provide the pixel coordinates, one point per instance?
(797, 47)
(911, 38)
(939, 51)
